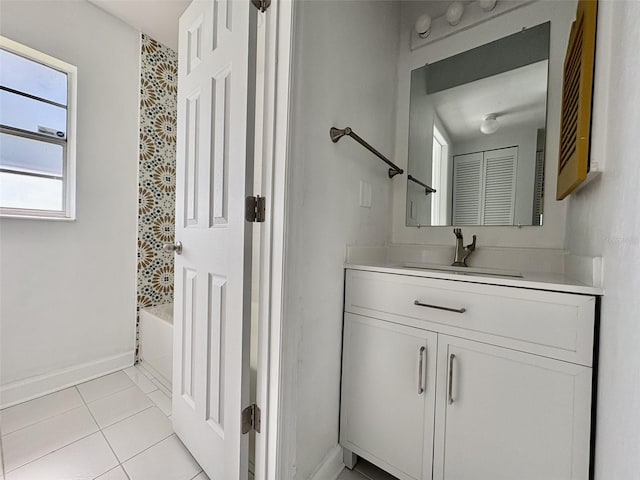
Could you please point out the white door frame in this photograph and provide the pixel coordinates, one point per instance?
(272, 453)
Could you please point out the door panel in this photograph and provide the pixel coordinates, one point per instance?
(499, 174)
(505, 415)
(216, 90)
(467, 189)
(221, 90)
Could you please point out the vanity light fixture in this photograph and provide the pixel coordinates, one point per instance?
(423, 25)
(487, 5)
(490, 124)
(454, 13)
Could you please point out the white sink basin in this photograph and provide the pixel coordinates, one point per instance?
(464, 270)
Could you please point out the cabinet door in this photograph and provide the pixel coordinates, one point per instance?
(388, 394)
(505, 415)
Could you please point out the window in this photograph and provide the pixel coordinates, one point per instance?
(37, 133)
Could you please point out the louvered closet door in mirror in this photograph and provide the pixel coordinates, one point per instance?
(484, 187)
(467, 189)
(499, 196)
(216, 90)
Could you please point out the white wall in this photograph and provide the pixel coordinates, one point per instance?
(561, 14)
(344, 75)
(604, 219)
(67, 292)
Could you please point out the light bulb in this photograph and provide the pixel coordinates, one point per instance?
(454, 13)
(487, 5)
(489, 124)
(423, 25)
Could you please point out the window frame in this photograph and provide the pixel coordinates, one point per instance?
(439, 178)
(68, 211)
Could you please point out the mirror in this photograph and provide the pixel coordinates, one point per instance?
(477, 135)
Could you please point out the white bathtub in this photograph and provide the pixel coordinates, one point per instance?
(156, 342)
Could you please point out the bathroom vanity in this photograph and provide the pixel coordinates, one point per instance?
(454, 376)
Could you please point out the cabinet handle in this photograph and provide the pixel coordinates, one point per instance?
(437, 307)
(451, 359)
(421, 370)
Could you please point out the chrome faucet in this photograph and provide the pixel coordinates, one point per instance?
(462, 252)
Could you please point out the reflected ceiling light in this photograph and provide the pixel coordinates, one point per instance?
(454, 13)
(490, 124)
(487, 5)
(423, 25)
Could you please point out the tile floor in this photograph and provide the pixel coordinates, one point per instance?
(365, 471)
(116, 427)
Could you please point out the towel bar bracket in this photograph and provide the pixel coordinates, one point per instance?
(337, 133)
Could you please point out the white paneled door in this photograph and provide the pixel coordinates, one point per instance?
(216, 93)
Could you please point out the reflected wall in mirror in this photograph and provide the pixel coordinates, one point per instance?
(477, 134)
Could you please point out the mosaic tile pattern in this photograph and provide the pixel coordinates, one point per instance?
(156, 174)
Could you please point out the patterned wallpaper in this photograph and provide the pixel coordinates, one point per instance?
(156, 174)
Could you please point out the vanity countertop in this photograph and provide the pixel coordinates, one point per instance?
(535, 281)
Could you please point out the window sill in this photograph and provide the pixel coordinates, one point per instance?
(40, 216)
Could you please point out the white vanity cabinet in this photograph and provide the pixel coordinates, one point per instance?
(388, 392)
(510, 415)
(453, 380)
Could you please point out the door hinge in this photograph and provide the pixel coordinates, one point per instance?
(255, 208)
(251, 418)
(261, 5)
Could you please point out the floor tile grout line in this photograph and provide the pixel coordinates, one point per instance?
(159, 384)
(136, 383)
(166, 415)
(141, 370)
(125, 471)
(75, 387)
(170, 397)
(47, 418)
(150, 447)
(129, 416)
(112, 393)
(121, 463)
(157, 390)
(59, 448)
(201, 471)
(162, 388)
(120, 466)
(147, 448)
(52, 451)
(38, 397)
(105, 439)
(100, 429)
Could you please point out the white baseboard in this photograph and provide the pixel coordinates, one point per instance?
(30, 388)
(331, 467)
